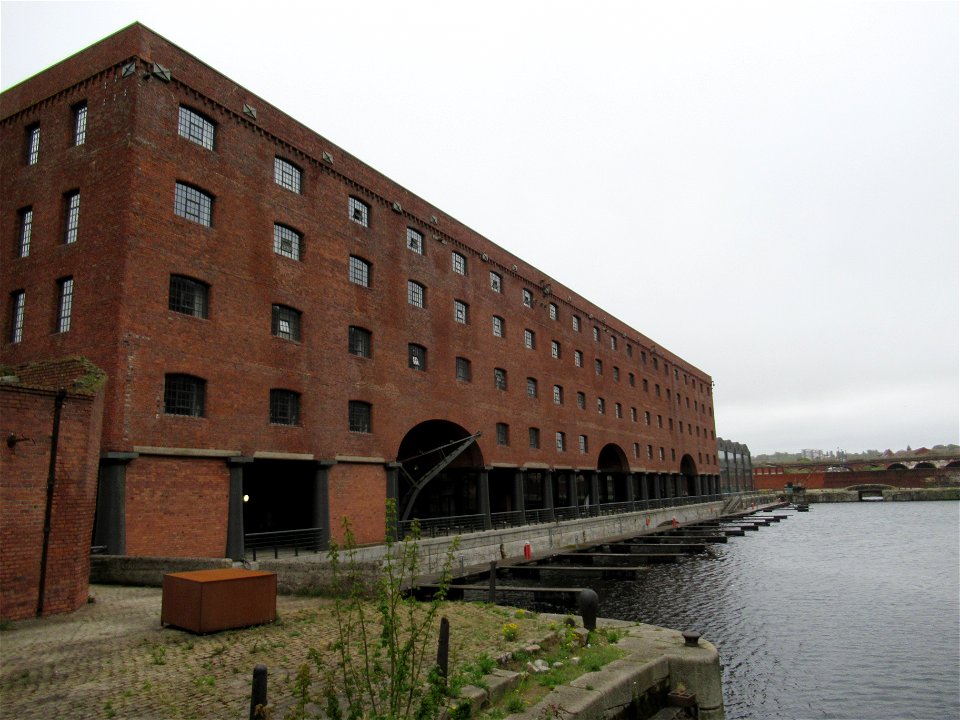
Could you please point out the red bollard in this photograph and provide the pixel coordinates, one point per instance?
(526, 550)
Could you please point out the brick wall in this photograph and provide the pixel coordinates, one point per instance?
(27, 414)
(358, 491)
(917, 478)
(177, 507)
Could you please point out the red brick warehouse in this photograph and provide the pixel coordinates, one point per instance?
(290, 337)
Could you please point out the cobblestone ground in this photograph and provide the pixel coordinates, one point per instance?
(112, 658)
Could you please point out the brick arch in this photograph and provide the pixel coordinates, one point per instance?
(612, 458)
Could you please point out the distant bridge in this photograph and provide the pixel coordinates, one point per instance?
(920, 474)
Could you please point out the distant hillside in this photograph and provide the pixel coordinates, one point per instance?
(780, 458)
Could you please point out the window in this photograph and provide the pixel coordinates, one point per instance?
(596, 333)
(416, 294)
(33, 144)
(358, 211)
(657, 389)
(284, 407)
(286, 241)
(193, 204)
(575, 321)
(643, 357)
(359, 341)
(72, 200)
(285, 322)
(650, 452)
(646, 417)
(496, 282)
(616, 373)
(461, 312)
(598, 366)
(463, 369)
(287, 175)
(64, 304)
(26, 232)
(196, 128)
(527, 298)
(359, 416)
(578, 358)
(459, 263)
(646, 385)
(416, 357)
(554, 311)
(18, 300)
(554, 349)
(662, 456)
(659, 421)
(581, 401)
(359, 271)
(79, 124)
(601, 406)
(613, 342)
(415, 241)
(500, 378)
(636, 450)
(558, 395)
(529, 339)
(188, 296)
(184, 395)
(629, 350)
(561, 440)
(533, 437)
(583, 444)
(631, 380)
(498, 326)
(503, 434)
(531, 387)
(618, 410)
(633, 414)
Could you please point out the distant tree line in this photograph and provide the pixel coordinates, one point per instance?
(782, 458)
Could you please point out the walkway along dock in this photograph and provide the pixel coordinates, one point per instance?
(616, 558)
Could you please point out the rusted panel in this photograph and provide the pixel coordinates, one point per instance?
(205, 601)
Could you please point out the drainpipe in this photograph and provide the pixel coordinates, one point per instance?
(51, 478)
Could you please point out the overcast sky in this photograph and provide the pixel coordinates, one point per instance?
(768, 189)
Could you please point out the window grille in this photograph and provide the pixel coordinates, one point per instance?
(358, 211)
(359, 271)
(359, 341)
(188, 296)
(26, 232)
(284, 407)
(414, 241)
(184, 395)
(285, 322)
(196, 128)
(287, 175)
(19, 299)
(463, 369)
(286, 241)
(64, 304)
(33, 144)
(416, 294)
(192, 204)
(80, 124)
(73, 217)
(359, 416)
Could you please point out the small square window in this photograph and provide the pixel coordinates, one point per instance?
(527, 298)
(417, 357)
(416, 294)
(496, 282)
(554, 311)
(503, 434)
(284, 407)
(188, 296)
(287, 175)
(184, 395)
(498, 326)
(460, 312)
(463, 369)
(286, 241)
(358, 211)
(285, 323)
(193, 204)
(533, 438)
(359, 416)
(554, 349)
(529, 339)
(359, 271)
(196, 128)
(500, 378)
(459, 263)
(415, 241)
(531, 387)
(359, 341)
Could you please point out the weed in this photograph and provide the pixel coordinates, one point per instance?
(205, 681)
(511, 631)
(108, 709)
(158, 654)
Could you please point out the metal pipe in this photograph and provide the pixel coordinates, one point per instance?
(51, 480)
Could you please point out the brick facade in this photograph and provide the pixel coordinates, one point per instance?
(130, 242)
(28, 397)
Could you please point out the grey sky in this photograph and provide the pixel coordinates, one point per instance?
(768, 189)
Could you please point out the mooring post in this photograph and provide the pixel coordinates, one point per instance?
(258, 695)
(492, 593)
(589, 604)
(443, 649)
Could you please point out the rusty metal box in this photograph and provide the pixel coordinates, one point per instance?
(205, 601)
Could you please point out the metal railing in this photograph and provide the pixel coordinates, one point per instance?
(295, 541)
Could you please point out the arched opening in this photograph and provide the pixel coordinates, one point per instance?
(953, 464)
(897, 466)
(440, 464)
(925, 464)
(612, 475)
(688, 469)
